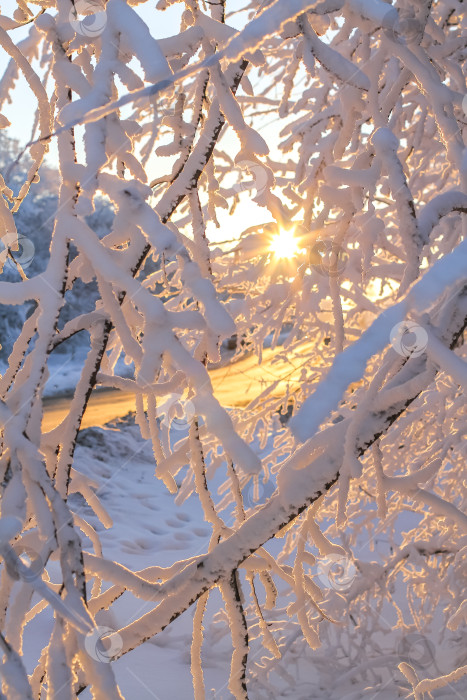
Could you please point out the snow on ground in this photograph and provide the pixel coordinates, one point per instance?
(150, 529)
(65, 371)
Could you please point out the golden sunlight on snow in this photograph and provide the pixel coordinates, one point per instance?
(235, 384)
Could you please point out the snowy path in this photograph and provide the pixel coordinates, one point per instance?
(235, 384)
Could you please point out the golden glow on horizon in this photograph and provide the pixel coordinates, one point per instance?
(284, 244)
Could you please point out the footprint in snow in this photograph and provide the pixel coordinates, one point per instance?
(201, 531)
(139, 546)
(183, 516)
(174, 522)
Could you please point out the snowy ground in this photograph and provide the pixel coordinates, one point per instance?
(150, 529)
(65, 371)
(146, 531)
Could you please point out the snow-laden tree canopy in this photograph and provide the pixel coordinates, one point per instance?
(341, 124)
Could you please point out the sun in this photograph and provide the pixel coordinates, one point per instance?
(284, 244)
